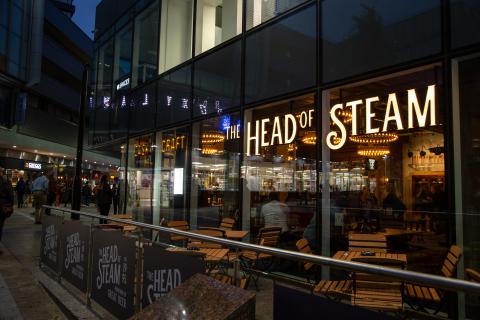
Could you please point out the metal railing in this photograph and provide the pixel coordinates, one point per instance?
(450, 284)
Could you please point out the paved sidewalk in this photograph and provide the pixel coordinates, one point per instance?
(21, 296)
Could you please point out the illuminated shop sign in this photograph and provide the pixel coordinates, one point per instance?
(284, 130)
(173, 144)
(123, 84)
(392, 115)
(33, 165)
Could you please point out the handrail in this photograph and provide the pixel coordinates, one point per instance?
(409, 276)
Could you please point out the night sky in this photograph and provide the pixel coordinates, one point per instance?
(84, 15)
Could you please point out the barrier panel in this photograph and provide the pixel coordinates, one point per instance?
(50, 242)
(113, 272)
(164, 271)
(75, 240)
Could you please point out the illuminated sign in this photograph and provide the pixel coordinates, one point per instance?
(33, 165)
(123, 84)
(284, 130)
(173, 144)
(336, 141)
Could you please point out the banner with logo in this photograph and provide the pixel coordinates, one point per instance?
(164, 271)
(75, 238)
(113, 272)
(49, 247)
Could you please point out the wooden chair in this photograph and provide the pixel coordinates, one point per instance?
(373, 242)
(180, 225)
(269, 237)
(227, 224)
(472, 275)
(212, 232)
(419, 297)
(378, 292)
(304, 247)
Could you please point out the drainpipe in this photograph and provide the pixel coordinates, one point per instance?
(36, 41)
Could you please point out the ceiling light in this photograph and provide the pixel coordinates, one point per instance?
(310, 137)
(373, 151)
(375, 138)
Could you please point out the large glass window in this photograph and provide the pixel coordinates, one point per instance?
(464, 18)
(104, 93)
(215, 170)
(383, 166)
(170, 188)
(466, 85)
(143, 109)
(359, 36)
(175, 33)
(120, 114)
(217, 21)
(123, 54)
(145, 46)
(216, 87)
(279, 170)
(282, 57)
(141, 155)
(259, 11)
(174, 95)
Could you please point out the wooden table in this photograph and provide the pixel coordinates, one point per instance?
(116, 226)
(236, 234)
(375, 292)
(211, 255)
(349, 255)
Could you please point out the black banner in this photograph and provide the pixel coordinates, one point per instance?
(164, 271)
(75, 239)
(113, 272)
(49, 248)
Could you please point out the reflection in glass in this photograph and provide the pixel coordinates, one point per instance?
(278, 171)
(259, 11)
(360, 36)
(216, 87)
(142, 109)
(170, 187)
(281, 57)
(175, 33)
(217, 21)
(123, 54)
(388, 178)
(145, 46)
(215, 169)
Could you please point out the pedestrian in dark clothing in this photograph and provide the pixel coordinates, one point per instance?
(6, 201)
(52, 192)
(20, 188)
(104, 198)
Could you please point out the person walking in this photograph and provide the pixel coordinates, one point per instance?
(51, 193)
(20, 188)
(104, 198)
(6, 201)
(39, 189)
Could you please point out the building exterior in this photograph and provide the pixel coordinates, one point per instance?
(341, 115)
(42, 54)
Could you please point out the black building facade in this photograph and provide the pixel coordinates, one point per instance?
(351, 116)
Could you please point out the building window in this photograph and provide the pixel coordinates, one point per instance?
(104, 75)
(123, 54)
(217, 21)
(215, 170)
(464, 18)
(279, 169)
(145, 46)
(141, 156)
(373, 34)
(170, 187)
(259, 11)
(175, 33)
(383, 164)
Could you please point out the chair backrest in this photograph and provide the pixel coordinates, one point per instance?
(472, 275)
(368, 280)
(373, 242)
(179, 224)
(451, 261)
(212, 232)
(227, 223)
(123, 216)
(304, 247)
(270, 236)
